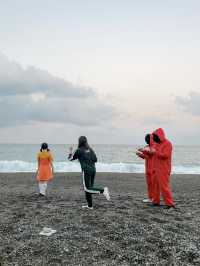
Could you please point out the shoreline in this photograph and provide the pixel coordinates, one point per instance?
(98, 173)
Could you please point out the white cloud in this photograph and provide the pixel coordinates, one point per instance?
(191, 103)
(31, 94)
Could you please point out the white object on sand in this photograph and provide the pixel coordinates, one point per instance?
(106, 193)
(146, 200)
(47, 231)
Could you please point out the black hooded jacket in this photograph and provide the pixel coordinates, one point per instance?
(86, 157)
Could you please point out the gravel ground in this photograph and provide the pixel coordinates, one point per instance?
(122, 232)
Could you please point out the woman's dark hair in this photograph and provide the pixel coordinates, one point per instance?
(83, 143)
(147, 139)
(156, 139)
(44, 146)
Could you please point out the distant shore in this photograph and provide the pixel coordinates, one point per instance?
(123, 231)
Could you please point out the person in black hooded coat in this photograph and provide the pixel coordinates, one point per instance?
(87, 158)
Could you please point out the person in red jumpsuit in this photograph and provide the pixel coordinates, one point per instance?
(163, 156)
(146, 154)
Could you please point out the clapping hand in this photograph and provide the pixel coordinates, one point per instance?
(150, 150)
(153, 150)
(138, 153)
(147, 149)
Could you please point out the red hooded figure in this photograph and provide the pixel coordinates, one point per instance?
(148, 156)
(163, 157)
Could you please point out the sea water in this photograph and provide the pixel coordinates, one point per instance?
(111, 158)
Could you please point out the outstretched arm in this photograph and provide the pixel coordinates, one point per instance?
(139, 154)
(144, 153)
(72, 156)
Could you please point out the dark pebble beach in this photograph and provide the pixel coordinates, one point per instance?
(124, 231)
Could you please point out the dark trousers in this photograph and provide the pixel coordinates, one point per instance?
(88, 183)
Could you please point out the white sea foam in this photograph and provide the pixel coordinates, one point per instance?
(22, 166)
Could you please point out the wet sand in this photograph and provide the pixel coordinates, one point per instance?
(124, 231)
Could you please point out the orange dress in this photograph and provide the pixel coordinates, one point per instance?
(45, 159)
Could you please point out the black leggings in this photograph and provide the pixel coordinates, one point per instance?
(88, 183)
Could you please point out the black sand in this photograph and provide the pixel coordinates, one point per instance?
(123, 232)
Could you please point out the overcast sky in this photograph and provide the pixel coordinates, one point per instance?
(111, 70)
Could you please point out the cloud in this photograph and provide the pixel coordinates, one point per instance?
(190, 104)
(33, 95)
(15, 80)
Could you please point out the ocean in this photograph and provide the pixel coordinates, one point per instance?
(111, 158)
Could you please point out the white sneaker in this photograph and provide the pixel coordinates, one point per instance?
(147, 201)
(87, 207)
(106, 193)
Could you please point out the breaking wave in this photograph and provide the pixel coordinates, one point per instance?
(22, 166)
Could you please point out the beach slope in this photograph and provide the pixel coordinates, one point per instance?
(124, 231)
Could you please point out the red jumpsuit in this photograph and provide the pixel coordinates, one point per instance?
(163, 156)
(149, 169)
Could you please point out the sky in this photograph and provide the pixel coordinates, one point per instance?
(111, 70)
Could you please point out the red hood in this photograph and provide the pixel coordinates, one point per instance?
(160, 133)
(151, 140)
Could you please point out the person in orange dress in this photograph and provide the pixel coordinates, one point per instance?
(45, 168)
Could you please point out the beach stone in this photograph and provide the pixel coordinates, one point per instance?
(124, 231)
